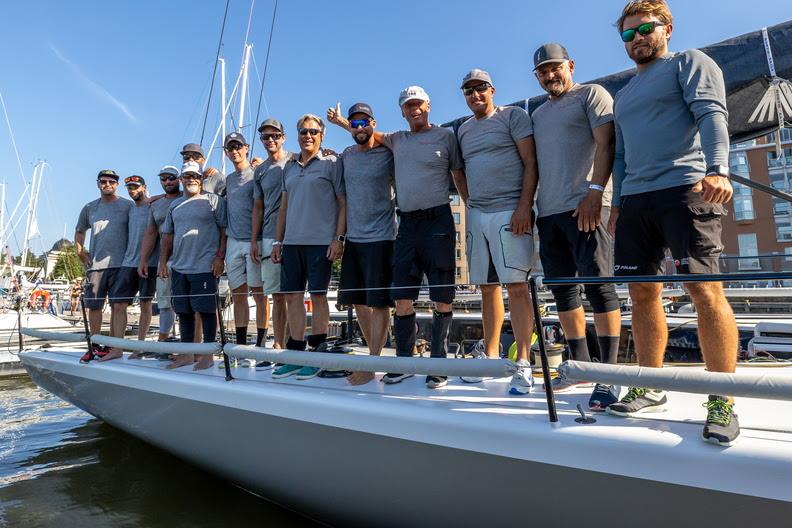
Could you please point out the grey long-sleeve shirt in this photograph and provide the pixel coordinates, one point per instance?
(671, 124)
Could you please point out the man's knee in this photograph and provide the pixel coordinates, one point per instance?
(489, 289)
(404, 307)
(602, 297)
(645, 292)
(567, 297)
(517, 289)
(706, 292)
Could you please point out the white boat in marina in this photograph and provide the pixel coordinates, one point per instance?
(9, 336)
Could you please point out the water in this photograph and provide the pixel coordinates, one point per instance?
(62, 467)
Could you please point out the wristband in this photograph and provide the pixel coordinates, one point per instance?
(595, 187)
(277, 243)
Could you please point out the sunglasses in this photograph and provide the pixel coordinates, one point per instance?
(190, 176)
(274, 137)
(191, 157)
(479, 88)
(357, 123)
(628, 35)
(312, 131)
(169, 177)
(107, 182)
(233, 147)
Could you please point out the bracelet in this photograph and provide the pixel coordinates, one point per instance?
(277, 243)
(595, 187)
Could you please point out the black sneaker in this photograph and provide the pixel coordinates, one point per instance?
(602, 396)
(637, 401)
(435, 382)
(721, 427)
(390, 378)
(263, 365)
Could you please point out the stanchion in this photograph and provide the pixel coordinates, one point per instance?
(551, 408)
(221, 324)
(90, 355)
(19, 327)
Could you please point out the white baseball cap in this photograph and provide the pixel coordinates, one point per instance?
(191, 166)
(412, 93)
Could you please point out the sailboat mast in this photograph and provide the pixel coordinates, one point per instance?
(243, 92)
(223, 105)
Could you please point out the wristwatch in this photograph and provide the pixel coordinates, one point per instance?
(718, 170)
(341, 238)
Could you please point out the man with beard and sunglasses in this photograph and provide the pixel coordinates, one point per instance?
(193, 233)
(500, 170)
(267, 186)
(309, 236)
(107, 218)
(670, 181)
(214, 181)
(573, 205)
(150, 250)
(426, 158)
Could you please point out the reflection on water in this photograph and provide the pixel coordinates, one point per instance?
(61, 467)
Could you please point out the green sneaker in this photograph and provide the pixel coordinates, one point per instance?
(284, 371)
(307, 373)
(722, 427)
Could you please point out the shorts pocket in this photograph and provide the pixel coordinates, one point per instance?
(442, 251)
(516, 250)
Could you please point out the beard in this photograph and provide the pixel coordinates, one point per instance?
(193, 188)
(646, 54)
(555, 88)
(361, 138)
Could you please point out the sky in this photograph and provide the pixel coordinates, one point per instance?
(92, 85)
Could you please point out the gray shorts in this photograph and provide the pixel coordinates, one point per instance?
(491, 245)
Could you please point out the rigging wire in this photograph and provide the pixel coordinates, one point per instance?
(214, 71)
(264, 75)
(13, 139)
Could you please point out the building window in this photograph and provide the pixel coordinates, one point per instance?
(458, 272)
(774, 161)
(786, 135)
(459, 254)
(788, 253)
(456, 218)
(749, 249)
(456, 233)
(454, 199)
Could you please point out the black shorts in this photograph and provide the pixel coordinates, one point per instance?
(193, 292)
(128, 284)
(566, 251)
(301, 264)
(677, 219)
(366, 270)
(97, 286)
(425, 245)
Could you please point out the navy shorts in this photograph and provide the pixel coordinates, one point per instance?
(305, 264)
(193, 292)
(97, 286)
(366, 271)
(128, 284)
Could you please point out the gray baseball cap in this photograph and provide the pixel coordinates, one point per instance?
(476, 75)
(169, 169)
(269, 122)
(552, 52)
(234, 136)
(412, 93)
(192, 147)
(360, 108)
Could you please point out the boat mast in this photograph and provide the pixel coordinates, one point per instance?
(243, 92)
(223, 105)
(30, 227)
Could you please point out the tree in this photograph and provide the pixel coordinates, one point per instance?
(68, 265)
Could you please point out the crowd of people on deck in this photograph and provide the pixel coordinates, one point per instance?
(610, 185)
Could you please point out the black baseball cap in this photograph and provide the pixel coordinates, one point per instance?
(134, 179)
(109, 173)
(192, 147)
(234, 136)
(360, 108)
(552, 52)
(270, 122)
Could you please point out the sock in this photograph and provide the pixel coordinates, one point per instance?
(404, 331)
(315, 340)
(209, 327)
(578, 348)
(441, 327)
(241, 335)
(261, 336)
(186, 327)
(166, 318)
(294, 344)
(609, 349)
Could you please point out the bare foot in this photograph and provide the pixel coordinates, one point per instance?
(206, 361)
(114, 353)
(135, 355)
(181, 360)
(360, 378)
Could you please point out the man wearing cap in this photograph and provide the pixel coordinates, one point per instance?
(244, 273)
(574, 201)
(267, 187)
(150, 250)
(425, 158)
(366, 267)
(309, 236)
(500, 168)
(214, 181)
(107, 217)
(193, 233)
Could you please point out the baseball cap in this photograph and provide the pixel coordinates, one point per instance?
(413, 93)
(134, 179)
(109, 173)
(360, 108)
(476, 75)
(234, 136)
(191, 166)
(270, 122)
(192, 147)
(550, 53)
(169, 169)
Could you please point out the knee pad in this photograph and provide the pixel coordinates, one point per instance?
(602, 297)
(567, 297)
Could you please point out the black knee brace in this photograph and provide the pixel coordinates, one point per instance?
(567, 297)
(602, 297)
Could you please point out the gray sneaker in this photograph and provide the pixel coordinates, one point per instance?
(638, 401)
(477, 353)
(722, 427)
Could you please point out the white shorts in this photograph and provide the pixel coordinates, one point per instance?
(495, 254)
(240, 267)
(270, 272)
(163, 293)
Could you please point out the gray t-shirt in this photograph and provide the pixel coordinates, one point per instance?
(563, 131)
(216, 183)
(138, 222)
(313, 209)
(195, 224)
(239, 204)
(158, 212)
(371, 209)
(671, 124)
(267, 186)
(493, 165)
(108, 223)
(423, 163)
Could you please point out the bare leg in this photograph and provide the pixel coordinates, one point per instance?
(320, 317)
(198, 329)
(295, 310)
(716, 326)
(573, 323)
(379, 320)
(145, 319)
(607, 323)
(648, 324)
(95, 320)
(118, 323)
(241, 310)
(522, 318)
(492, 315)
(364, 321)
(279, 319)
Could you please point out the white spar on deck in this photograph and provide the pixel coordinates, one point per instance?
(682, 379)
(159, 347)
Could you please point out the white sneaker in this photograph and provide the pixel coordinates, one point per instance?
(522, 381)
(477, 353)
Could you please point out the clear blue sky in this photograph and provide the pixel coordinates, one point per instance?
(123, 84)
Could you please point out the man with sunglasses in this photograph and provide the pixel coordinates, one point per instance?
(500, 170)
(670, 183)
(426, 157)
(150, 250)
(309, 236)
(214, 181)
(267, 186)
(193, 233)
(107, 217)
(573, 205)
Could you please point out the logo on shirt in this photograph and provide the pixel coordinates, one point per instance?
(438, 154)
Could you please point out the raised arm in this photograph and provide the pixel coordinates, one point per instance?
(335, 116)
